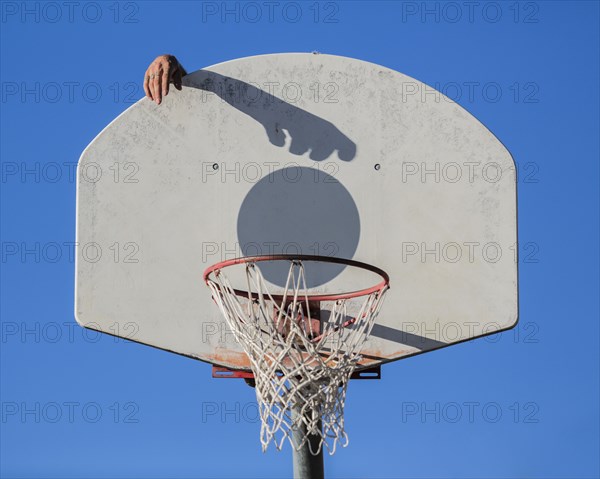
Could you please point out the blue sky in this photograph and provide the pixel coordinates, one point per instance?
(521, 404)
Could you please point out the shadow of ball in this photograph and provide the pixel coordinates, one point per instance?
(299, 210)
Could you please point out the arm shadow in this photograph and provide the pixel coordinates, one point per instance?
(308, 132)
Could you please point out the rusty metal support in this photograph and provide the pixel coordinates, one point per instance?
(221, 372)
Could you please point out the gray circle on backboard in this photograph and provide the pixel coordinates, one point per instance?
(299, 210)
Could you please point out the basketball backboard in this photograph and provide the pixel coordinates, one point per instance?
(297, 154)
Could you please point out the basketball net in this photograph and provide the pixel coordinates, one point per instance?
(296, 365)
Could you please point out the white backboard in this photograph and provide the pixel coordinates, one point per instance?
(297, 153)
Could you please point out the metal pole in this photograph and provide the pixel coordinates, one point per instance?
(307, 466)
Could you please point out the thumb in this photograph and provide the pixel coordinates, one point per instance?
(177, 79)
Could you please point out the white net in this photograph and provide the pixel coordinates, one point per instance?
(302, 353)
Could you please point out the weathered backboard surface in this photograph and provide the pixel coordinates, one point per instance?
(297, 153)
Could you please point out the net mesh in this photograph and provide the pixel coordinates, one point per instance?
(302, 354)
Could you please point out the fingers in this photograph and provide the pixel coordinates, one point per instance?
(164, 70)
(155, 87)
(147, 84)
(164, 79)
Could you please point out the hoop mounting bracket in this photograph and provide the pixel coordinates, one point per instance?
(221, 372)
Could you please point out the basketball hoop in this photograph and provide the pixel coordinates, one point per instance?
(303, 346)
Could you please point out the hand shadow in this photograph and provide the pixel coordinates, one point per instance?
(308, 132)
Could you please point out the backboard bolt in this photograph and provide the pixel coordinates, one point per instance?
(215, 166)
(377, 166)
